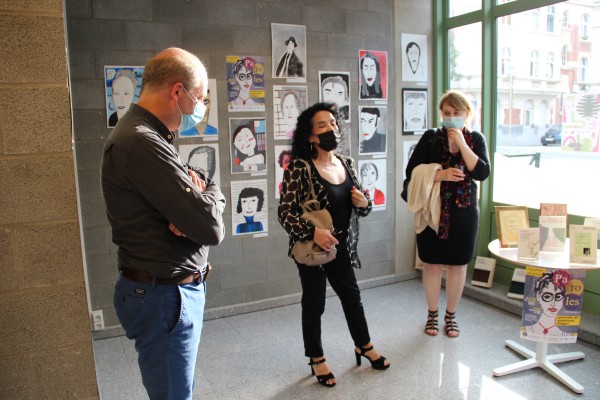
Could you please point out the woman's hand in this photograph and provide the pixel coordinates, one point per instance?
(324, 239)
(359, 200)
(450, 174)
(456, 140)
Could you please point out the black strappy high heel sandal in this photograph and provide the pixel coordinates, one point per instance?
(376, 364)
(322, 379)
(432, 323)
(451, 325)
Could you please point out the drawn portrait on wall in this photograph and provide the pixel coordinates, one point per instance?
(248, 145)
(372, 84)
(208, 125)
(249, 207)
(289, 51)
(372, 175)
(372, 122)
(288, 103)
(335, 88)
(414, 57)
(203, 157)
(122, 87)
(283, 156)
(245, 83)
(414, 111)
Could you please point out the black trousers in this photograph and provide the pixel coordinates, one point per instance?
(340, 274)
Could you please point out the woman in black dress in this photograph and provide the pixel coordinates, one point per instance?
(461, 158)
(338, 190)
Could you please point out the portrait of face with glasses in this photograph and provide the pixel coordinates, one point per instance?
(245, 84)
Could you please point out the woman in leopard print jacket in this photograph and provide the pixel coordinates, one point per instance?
(338, 190)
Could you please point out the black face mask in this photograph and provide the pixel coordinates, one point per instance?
(328, 141)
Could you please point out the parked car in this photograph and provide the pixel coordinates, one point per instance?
(552, 135)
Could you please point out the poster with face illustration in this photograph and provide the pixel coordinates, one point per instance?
(552, 304)
(249, 214)
(203, 157)
(206, 125)
(414, 111)
(372, 83)
(248, 145)
(372, 130)
(288, 103)
(289, 52)
(122, 86)
(414, 57)
(283, 156)
(372, 175)
(245, 83)
(334, 87)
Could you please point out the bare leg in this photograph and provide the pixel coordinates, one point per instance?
(432, 283)
(455, 283)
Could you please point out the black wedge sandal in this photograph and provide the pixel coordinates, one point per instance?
(376, 364)
(431, 327)
(451, 325)
(322, 379)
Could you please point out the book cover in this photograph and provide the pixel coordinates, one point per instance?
(583, 244)
(555, 209)
(509, 219)
(594, 222)
(517, 286)
(529, 244)
(552, 305)
(483, 273)
(553, 232)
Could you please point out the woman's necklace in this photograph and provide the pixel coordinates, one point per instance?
(244, 101)
(546, 329)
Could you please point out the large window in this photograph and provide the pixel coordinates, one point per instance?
(542, 113)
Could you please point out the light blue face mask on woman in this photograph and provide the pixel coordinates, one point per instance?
(453, 122)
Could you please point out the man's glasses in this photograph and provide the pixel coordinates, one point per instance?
(547, 297)
(243, 77)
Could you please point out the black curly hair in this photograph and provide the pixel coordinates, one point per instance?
(300, 143)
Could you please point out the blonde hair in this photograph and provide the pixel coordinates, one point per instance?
(457, 100)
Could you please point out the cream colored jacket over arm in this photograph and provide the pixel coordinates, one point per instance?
(424, 197)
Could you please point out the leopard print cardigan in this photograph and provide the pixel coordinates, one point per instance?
(296, 190)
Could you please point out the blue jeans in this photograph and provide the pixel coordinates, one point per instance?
(165, 321)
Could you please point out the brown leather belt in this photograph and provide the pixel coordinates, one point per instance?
(141, 277)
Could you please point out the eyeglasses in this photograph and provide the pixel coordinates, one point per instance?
(547, 297)
(243, 77)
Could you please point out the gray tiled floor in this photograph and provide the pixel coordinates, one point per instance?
(260, 356)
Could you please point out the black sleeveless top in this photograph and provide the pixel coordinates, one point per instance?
(340, 201)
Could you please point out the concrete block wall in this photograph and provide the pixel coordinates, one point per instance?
(46, 345)
(110, 32)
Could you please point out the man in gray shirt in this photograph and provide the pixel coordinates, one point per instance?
(164, 215)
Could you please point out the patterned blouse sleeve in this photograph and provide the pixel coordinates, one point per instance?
(293, 193)
(363, 212)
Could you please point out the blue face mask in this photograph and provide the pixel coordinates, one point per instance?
(187, 121)
(453, 122)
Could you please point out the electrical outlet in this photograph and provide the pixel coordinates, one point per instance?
(98, 320)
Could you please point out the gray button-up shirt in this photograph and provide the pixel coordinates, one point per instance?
(146, 186)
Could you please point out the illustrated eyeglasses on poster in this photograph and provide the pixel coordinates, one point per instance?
(248, 145)
(335, 88)
(122, 86)
(249, 207)
(288, 103)
(245, 83)
(372, 175)
(552, 305)
(208, 126)
(203, 157)
(373, 75)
